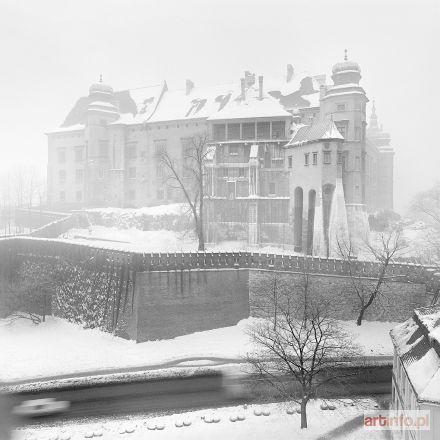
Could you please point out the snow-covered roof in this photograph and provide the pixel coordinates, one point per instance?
(321, 130)
(145, 100)
(417, 343)
(74, 127)
(250, 107)
(281, 95)
(199, 103)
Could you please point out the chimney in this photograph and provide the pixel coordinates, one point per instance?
(189, 86)
(290, 72)
(322, 91)
(260, 87)
(249, 78)
(243, 90)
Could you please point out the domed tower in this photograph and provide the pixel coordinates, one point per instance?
(101, 110)
(345, 103)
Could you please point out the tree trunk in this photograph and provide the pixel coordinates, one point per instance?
(361, 316)
(303, 414)
(201, 233)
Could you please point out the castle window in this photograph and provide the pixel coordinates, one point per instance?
(357, 133)
(79, 176)
(160, 146)
(219, 132)
(272, 188)
(315, 158)
(327, 157)
(132, 173)
(306, 159)
(278, 129)
(78, 196)
(231, 190)
(131, 150)
(62, 196)
(61, 155)
(340, 107)
(263, 130)
(339, 157)
(357, 163)
(290, 161)
(131, 194)
(241, 172)
(233, 131)
(225, 172)
(78, 154)
(233, 150)
(101, 173)
(248, 130)
(160, 194)
(62, 177)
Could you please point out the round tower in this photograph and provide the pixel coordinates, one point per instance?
(345, 104)
(101, 110)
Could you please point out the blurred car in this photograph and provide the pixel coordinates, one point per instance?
(40, 407)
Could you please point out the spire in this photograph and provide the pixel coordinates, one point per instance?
(345, 55)
(100, 78)
(373, 116)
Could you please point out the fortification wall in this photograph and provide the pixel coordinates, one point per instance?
(180, 293)
(175, 303)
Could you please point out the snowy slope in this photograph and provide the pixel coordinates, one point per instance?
(57, 347)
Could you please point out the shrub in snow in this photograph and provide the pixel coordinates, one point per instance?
(160, 426)
(90, 434)
(258, 412)
(98, 433)
(65, 436)
(266, 412)
(233, 418)
(178, 424)
(291, 411)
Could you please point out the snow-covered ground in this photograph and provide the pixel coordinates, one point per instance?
(57, 347)
(156, 241)
(267, 422)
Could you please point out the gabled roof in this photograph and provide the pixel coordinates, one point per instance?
(319, 131)
(417, 343)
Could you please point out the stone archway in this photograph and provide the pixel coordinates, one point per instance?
(311, 221)
(298, 219)
(328, 191)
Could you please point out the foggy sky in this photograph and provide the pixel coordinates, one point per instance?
(52, 50)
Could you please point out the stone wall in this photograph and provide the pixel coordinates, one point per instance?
(396, 302)
(180, 293)
(174, 303)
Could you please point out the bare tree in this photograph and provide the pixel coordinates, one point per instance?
(387, 246)
(427, 205)
(299, 348)
(188, 176)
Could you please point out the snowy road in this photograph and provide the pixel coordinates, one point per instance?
(184, 392)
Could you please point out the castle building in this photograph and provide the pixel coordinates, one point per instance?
(292, 160)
